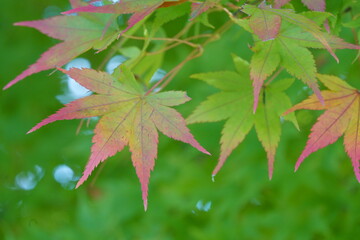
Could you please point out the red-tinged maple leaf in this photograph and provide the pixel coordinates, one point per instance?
(284, 38)
(139, 9)
(342, 117)
(303, 22)
(315, 5)
(78, 33)
(121, 7)
(77, 3)
(172, 3)
(142, 8)
(130, 117)
(198, 8)
(266, 27)
(280, 3)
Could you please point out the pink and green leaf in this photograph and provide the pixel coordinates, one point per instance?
(329, 127)
(265, 26)
(352, 137)
(264, 62)
(79, 35)
(301, 21)
(280, 3)
(129, 117)
(121, 7)
(315, 5)
(341, 117)
(199, 8)
(268, 129)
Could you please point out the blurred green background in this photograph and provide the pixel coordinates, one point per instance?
(320, 201)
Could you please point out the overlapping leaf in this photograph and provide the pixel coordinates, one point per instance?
(142, 8)
(315, 5)
(130, 117)
(342, 117)
(78, 33)
(87, 30)
(139, 8)
(282, 40)
(234, 104)
(198, 8)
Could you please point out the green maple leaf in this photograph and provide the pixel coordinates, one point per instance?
(234, 104)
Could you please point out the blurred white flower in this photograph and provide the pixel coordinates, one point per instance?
(158, 75)
(203, 207)
(74, 90)
(114, 62)
(28, 180)
(64, 175)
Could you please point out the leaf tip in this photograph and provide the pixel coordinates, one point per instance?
(8, 85)
(145, 197)
(145, 205)
(256, 101)
(30, 131)
(200, 148)
(270, 165)
(270, 174)
(78, 184)
(290, 110)
(206, 152)
(216, 170)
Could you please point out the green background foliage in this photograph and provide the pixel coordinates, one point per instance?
(320, 201)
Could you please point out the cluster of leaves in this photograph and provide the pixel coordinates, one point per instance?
(133, 108)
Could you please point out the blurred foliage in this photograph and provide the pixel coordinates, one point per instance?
(320, 201)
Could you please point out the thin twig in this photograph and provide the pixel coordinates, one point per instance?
(161, 39)
(178, 43)
(101, 167)
(273, 76)
(79, 127)
(194, 54)
(110, 54)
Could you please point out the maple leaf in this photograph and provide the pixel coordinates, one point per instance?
(139, 9)
(234, 104)
(142, 8)
(198, 8)
(130, 117)
(163, 15)
(78, 33)
(315, 5)
(342, 117)
(77, 3)
(296, 19)
(282, 39)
